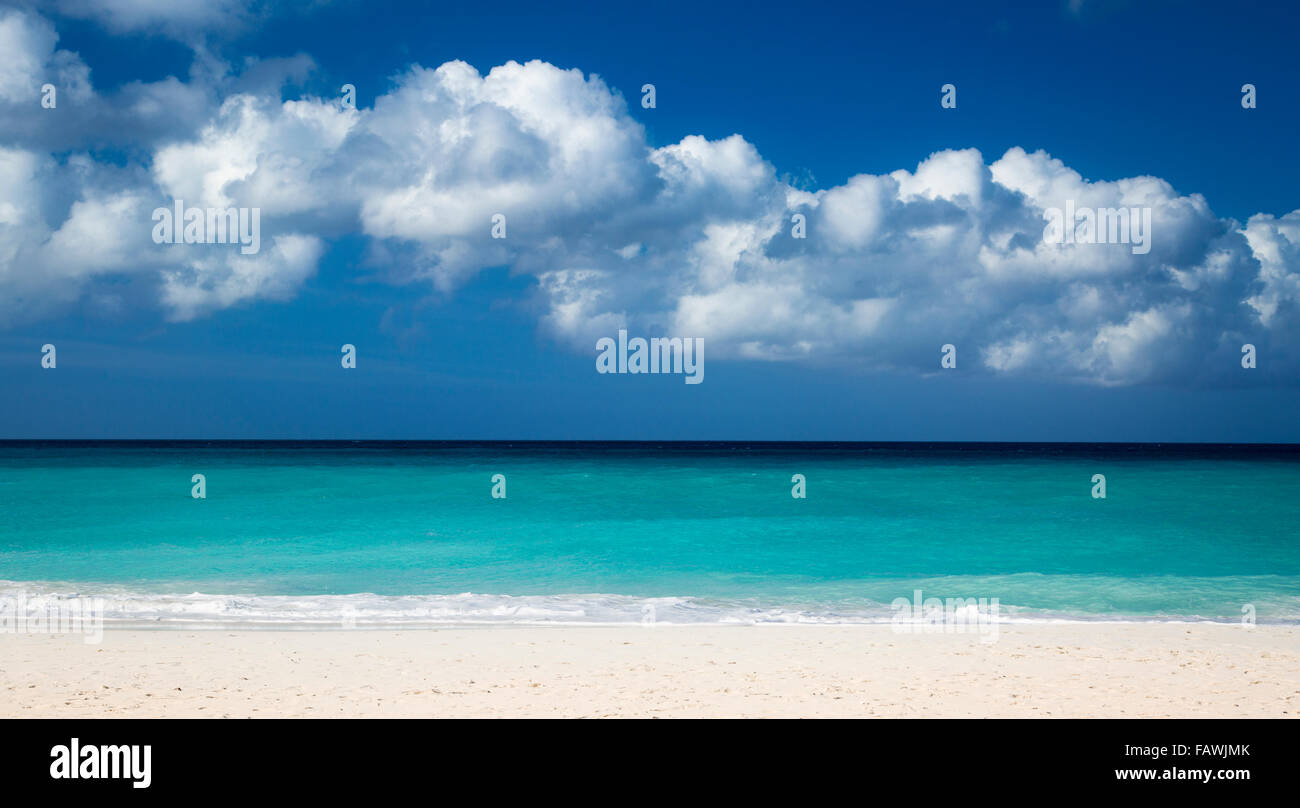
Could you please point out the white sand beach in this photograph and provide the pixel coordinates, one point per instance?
(1070, 670)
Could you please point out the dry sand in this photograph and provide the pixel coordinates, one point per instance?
(1125, 670)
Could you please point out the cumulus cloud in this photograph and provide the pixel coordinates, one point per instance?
(693, 238)
(221, 280)
(30, 60)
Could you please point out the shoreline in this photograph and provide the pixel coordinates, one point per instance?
(35, 603)
(916, 626)
(1039, 669)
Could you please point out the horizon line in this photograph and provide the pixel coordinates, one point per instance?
(645, 441)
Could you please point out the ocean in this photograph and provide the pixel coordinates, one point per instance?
(407, 534)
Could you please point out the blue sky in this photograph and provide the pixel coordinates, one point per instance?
(658, 220)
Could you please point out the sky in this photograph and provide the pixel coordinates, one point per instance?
(799, 198)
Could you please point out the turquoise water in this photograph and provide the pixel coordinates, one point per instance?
(599, 533)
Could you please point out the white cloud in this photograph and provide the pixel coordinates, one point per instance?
(226, 277)
(1276, 245)
(689, 239)
(31, 60)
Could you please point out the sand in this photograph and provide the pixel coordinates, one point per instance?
(1105, 670)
